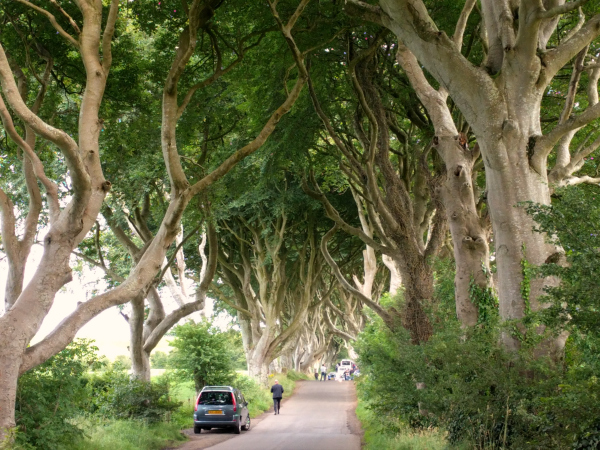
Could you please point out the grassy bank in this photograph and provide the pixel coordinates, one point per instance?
(127, 435)
(393, 435)
(110, 434)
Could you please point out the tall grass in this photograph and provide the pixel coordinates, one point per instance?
(126, 435)
(381, 434)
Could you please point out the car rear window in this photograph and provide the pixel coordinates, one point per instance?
(215, 398)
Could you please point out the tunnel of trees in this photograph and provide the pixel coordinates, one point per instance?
(411, 180)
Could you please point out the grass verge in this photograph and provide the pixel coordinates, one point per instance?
(108, 434)
(104, 434)
(393, 436)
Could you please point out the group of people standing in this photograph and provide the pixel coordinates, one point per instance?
(323, 373)
(348, 373)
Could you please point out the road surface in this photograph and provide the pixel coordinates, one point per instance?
(319, 416)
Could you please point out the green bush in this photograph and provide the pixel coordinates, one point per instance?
(476, 391)
(159, 360)
(51, 395)
(203, 354)
(119, 396)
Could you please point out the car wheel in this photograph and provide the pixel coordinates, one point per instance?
(246, 427)
(197, 430)
(238, 427)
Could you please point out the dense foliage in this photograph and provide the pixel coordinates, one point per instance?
(119, 396)
(202, 353)
(51, 395)
(573, 222)
(370, 159)
(465, 383)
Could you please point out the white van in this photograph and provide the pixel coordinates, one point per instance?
(345, 364)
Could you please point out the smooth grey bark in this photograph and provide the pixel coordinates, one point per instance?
(469, 235)
(504, 113)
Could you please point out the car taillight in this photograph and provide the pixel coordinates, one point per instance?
(196, 406)
(234, 404)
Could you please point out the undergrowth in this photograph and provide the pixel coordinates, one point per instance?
(381, 434)
(126, 435)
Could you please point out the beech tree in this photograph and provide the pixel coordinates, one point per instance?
(399, 188)
(200, 151)
(403, 113)
(272, 268)
(501, 101)
(70, 224)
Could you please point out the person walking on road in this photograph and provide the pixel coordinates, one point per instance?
(277, 391)
(323, 372)
(316, 374)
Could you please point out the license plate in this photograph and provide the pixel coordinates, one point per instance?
(220, 413)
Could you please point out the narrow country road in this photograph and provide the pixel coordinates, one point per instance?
(319, 416)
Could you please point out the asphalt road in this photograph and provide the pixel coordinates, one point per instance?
(320, 415)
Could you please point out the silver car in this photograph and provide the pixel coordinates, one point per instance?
(221, 407)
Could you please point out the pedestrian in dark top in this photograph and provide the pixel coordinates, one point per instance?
(316, 375)
(277, 391)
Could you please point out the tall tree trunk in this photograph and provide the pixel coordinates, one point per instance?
(469, 237)
(470, 241)
(19, 324)
(417, 277)
(517, 245)
(140, 359)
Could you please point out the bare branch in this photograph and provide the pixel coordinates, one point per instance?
(185, 310)
(577, 27)
(112, 274)
(250, 148)
(62, 140)
(65, 332)
(224, 299)
(120, 233)
(333, 214)
(434, 102)
(573, 85)
(385, 315)
(69, 18)
(38, 168)
(368, 12)
(546, 143)
(335, 330)
(109, 31)
(561, 9)
(581, 180)
(461, 25)
(556, 58)
(53, 21)
(9, 238)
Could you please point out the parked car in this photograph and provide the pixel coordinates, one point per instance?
(221, 407)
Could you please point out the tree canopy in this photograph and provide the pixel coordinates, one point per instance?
(314, 167)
